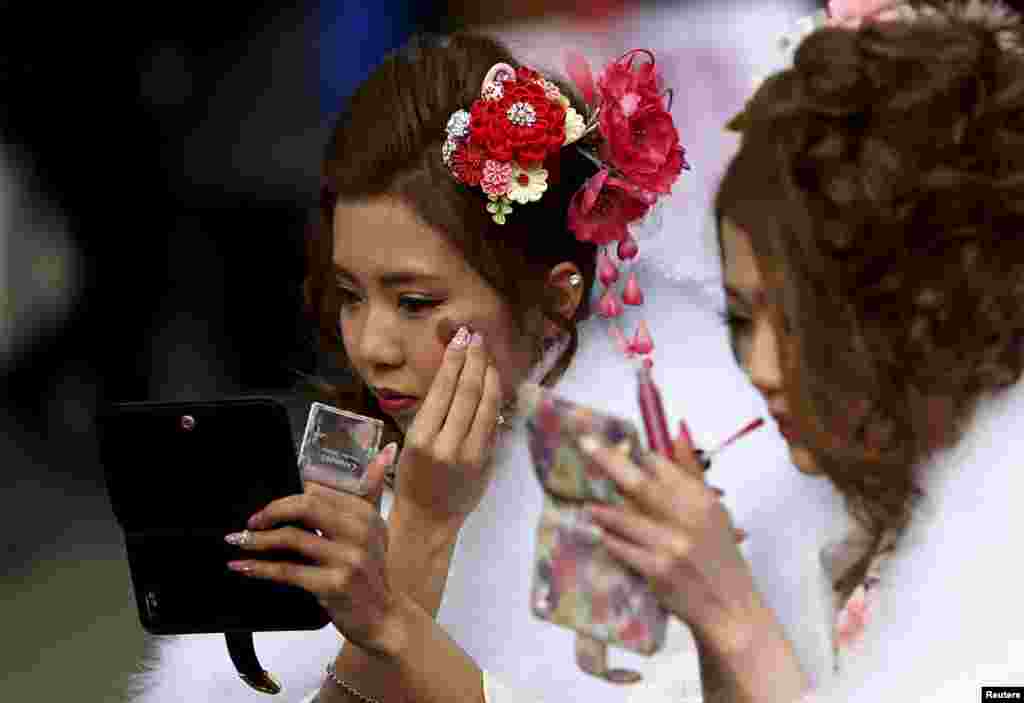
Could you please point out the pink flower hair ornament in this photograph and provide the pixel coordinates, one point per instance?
(522, 121)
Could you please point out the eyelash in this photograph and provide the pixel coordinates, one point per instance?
(732, 321)
(412, 305)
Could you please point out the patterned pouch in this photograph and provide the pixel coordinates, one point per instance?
(576, 582)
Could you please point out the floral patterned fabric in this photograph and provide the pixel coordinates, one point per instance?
(577, 583)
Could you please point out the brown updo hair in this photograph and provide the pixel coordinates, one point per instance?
(881, 180)
(387, 142)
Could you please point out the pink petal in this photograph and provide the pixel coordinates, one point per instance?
(642, 342)
(578, 70)
(628, 249)
(633, 295)
(609, 305)
(606, 271)
(593, 189)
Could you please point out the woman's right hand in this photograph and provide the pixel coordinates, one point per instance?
(346, 565)
(445, 465)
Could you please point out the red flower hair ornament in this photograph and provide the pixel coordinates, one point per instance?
(521, 122)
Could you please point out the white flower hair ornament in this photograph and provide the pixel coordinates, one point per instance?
(522, 121)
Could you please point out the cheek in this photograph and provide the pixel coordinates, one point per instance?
(424, 357)
(512, 356)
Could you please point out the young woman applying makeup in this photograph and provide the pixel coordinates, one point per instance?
(870, 241)
(442, 303)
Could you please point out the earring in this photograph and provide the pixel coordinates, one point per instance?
(575, 279)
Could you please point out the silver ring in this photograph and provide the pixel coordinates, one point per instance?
(501, 420)
(575, 279)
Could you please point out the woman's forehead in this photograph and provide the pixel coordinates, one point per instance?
(739, 263)
(385, 234)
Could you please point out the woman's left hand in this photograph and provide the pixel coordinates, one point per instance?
(674, 531)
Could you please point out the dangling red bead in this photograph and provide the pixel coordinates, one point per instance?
(609, 305)
(606, 271)
(642, 342)
(632, 295)
(628, 249)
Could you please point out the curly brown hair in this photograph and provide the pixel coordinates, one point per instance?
(881, 179)
(388, 142)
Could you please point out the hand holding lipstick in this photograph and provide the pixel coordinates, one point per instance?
(675, 531)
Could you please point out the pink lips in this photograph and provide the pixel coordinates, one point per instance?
(394, 403)
(786, 429)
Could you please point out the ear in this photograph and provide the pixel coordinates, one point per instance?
(569, 296)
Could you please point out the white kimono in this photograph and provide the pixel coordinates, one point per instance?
(486, 601)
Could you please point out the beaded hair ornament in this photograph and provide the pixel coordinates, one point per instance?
(509, 140)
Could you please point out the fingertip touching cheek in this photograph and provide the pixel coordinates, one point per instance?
(404, 290)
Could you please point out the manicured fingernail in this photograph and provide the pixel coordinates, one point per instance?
(389, 452)
(684, 432)
(588, 444)
(254, 522)
(461, 338)
(242, 567)
(477, 340)
(238, 538)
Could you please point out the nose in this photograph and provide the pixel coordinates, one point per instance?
(763, 363)
(376, 341)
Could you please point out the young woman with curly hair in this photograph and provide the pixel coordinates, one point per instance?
(870, 229)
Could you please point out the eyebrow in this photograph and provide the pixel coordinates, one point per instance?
(392, 279)
(757, 298)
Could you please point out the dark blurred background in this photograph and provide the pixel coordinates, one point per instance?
(158, 169)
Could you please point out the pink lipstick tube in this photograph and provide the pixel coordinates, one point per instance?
(658, 437)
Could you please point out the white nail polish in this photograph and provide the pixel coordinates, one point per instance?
(588, 444)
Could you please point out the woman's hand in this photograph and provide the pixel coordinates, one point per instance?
(445, 465)
(675, 531)
(347, 561)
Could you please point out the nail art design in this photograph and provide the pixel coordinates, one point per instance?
(239, 539)
(476, 340)
(461, 338)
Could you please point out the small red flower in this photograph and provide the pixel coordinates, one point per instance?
(622, 81)
(468, 163)
(601, 210)
(523, 126)
(643, 145)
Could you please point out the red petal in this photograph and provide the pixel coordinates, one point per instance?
(609, 305)
(606, 271)
(632, 295)
(642, 342)
(579, 71)
(628, 249)
(593, 188)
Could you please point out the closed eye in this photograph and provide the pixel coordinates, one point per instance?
(347, 297)
(733, 321)
(415, 305)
